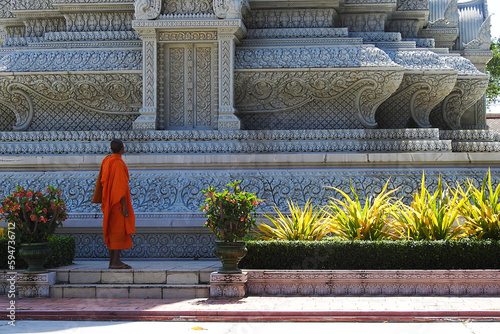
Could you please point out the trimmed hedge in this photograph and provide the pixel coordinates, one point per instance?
(63, 252)
(351, 255)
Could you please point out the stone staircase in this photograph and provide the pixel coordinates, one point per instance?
(147, 279)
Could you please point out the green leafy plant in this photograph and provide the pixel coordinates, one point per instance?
(230, 214)
(481, 209)
(353, 221)
(429, 216)
(36, 215)
(308, 223)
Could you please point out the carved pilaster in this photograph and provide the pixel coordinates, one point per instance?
(227, 44)
(147, 118)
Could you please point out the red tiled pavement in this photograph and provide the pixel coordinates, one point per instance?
(261, 309)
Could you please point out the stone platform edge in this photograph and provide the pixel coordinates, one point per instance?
(356, 283)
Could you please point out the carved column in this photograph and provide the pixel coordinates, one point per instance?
(147, 118)
(227, 43)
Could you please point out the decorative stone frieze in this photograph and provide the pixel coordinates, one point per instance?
(228, 285)
(29, 285)
(360, 22)
(182, 7)
(49, 61)
(291, 18)
(108, 94)
(412, 5)
(373, 283)
(312, 57)
(282, 92)
(297, 33)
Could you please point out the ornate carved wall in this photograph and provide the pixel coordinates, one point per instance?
(288, 98)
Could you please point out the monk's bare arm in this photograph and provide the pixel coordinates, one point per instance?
(124, 207)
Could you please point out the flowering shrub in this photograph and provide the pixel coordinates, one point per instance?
(35, 215)
(229, 214)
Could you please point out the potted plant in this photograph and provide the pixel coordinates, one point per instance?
(35, 216)
(230, 216)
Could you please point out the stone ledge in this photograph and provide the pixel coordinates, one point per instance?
(374, 283)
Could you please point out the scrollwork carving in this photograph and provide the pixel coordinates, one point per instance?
(105, 60)
(417, 95)
(272, 91)
(229, 9)
(147, 9)
(118, 94)
(317, 57)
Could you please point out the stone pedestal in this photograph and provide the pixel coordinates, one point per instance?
(228, 285)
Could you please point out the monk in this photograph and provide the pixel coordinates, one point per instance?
(113, 192)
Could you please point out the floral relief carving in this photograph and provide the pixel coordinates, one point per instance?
(276, 91)
(105, 93)
(176, 7)
(229, 9)
(409, 5)
(291, 18)
(417, 95)
(364, 22)
(317, 57)
(44, 61)
(147, 9)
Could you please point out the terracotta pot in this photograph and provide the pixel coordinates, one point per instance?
(35, 254)
(230, 254)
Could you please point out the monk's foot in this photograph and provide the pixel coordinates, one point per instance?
(120, 266)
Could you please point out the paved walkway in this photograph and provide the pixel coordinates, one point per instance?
(317, 309)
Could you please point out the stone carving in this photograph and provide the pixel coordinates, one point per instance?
(408, 28)
(188, 36)
(91, 35)
(31, 4)
(229, 9)
(43, 61)
(278, 91)
(180, 7)
(377, 36)
(417, 95)
(317, 57)
(410, 5)
(291, 18)
(5, 9)
(463, 96)
(364, 22)
(101, 21)
(297, 33)
(104, 93)
(483, 40)
(422, 60)
(461, 64)
(147, 9)
(450, 17)
(173, 193)
(371, 282)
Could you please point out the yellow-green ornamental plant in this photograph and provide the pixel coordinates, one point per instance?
(481, 209)
(353, 221)
(429, 216)
(308, 223)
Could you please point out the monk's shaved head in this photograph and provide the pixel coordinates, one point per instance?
(116, 145)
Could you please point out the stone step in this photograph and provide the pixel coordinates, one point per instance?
(110, 276)
(153, 291)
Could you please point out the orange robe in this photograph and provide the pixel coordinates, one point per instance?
(112, 185)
